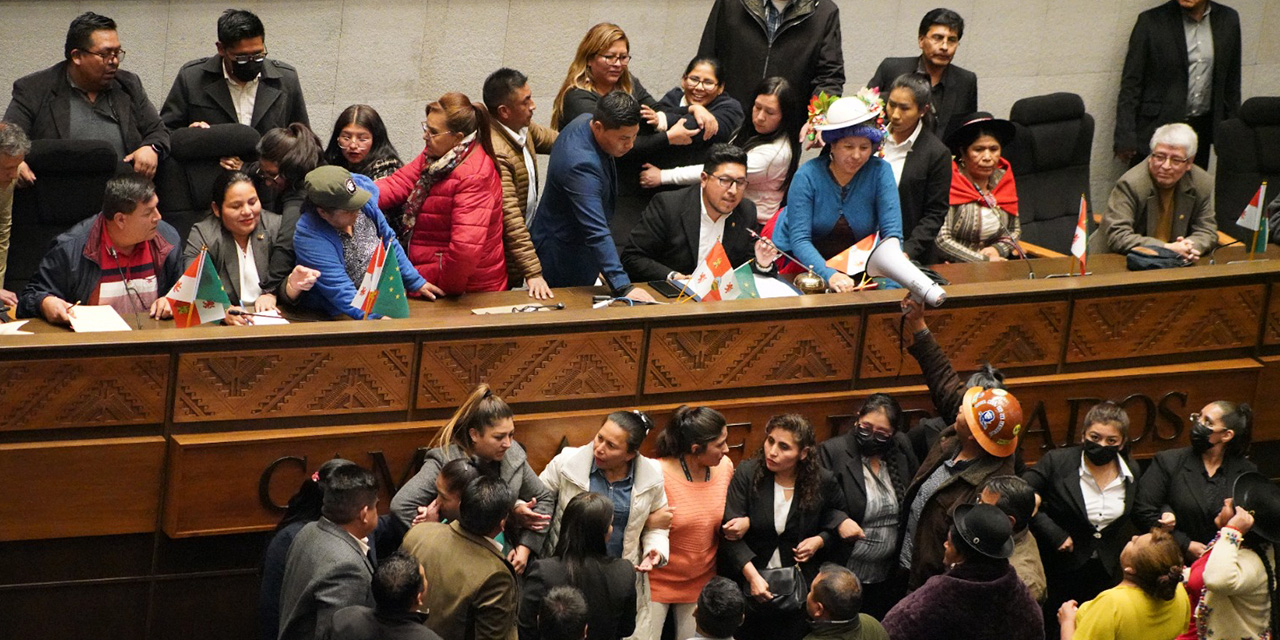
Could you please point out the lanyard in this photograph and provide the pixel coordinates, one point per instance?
(687, 475)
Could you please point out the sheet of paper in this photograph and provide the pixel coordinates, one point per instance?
(267, 318)
(87, 319)
(13, 328)
(774, 288)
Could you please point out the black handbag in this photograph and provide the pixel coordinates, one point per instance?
(1142, 258)
(788, 586)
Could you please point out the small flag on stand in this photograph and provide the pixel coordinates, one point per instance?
(1080, 241)
(703, 281)
(198, 297)
(1260, 238)
(853, 260)
(1252, 219)
(381, 289)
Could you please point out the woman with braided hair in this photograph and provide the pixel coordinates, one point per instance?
(1150, 602)
(873, 463)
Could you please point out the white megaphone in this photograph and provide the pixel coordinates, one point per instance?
(887, 260)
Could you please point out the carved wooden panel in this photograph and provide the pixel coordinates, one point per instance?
(1160, 323)
(236, 482)
(81, 488)
(751, 354)
(531, 368)
(246, 385)
(83, 392)
(1272, 334)
(1008, 335)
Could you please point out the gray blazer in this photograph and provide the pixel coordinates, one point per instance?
(1130, 218)
(272, 256)
(200, 94)
(325, 572)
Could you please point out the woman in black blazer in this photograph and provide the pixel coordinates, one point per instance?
(581, 561)
(924, 176)
(875, 448)
(783, 478)
(1183, 489)
(1080, 537)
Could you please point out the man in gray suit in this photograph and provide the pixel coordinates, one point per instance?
(328, 566)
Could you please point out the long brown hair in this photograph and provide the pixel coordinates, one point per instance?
(479, 411)
(465, 117)
(598, 40)
(808, 493)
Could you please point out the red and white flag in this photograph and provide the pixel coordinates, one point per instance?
(367, 294)
(853, 260)
(703, 281)
(1080, 241)
(1252, 216)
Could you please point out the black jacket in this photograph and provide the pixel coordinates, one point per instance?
(607, 584)
(200, 94)
(923, 192)
(70, 269)
(363, 623)
(41, 105)
(666, 237)
(1176, 481)
(806, 49)
(1056, 477)
(841, 457)
(762, 539)
(959, 96)
(728, 114)
(1153, 87)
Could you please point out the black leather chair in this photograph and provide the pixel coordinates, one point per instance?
(185, 182)
(1248, 154)
(1050, 157)
(71, 176)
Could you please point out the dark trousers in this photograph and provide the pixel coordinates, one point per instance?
(879, 598)
(1082, 585)
(1203, 126)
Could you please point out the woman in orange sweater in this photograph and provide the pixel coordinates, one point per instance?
(695, 473)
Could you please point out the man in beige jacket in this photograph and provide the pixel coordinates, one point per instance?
(517, 141)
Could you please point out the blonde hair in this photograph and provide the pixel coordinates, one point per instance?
(479, 411)
(598, 40)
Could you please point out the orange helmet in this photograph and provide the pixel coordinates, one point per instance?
(995, 419)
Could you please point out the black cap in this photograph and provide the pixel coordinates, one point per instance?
(962, 131)
(985, 528)
(1258, 495)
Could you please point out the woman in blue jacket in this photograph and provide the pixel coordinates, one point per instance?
(340, 228)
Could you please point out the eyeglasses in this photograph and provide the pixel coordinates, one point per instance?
(1198, 419)
(726, 182)
(265, 175)
(434, 134)
(246, 58)
(108, 56)
(866, 428)
(1160, 158)
(610, 58)
(695, 82)
(345, 139)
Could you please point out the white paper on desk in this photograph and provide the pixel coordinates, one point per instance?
(770, 287)
(265, 318)
(13, 329)
(89, 319)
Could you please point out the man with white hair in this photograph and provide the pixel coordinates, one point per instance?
(1164, 202)
(14, 146)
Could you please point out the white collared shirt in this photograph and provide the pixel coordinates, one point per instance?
(709, 232)
(530, 165)
(250, 287)
(896, 154)
(1104, 505)
(243, 96)
(363, 542)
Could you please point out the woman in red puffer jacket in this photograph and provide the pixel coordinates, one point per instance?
(451, 224)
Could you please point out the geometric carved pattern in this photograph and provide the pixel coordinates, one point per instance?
(751, 354)
(1012, 335)
(83, 392)
(1163, 323)
(247, 385)
(535, 368)
(1272, 335)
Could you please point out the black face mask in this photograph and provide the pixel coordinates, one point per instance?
(1200, 435)
(869, 444)
(246, 71)
(1099, 453)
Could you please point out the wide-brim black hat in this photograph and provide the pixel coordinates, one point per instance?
(1258, 495)
(960, 129)
(985, 528)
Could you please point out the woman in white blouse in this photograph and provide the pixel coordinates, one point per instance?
(1086, 492)
(772, 155)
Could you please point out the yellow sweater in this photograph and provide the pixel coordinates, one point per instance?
(1128, 613)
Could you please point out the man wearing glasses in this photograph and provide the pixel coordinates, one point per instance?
(954, 89)
(88, 97)
(240, 84)
(1164, 202)
(679, 228)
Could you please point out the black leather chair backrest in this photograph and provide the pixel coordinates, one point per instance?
(1248, 149)
(186, 181)
(1050, 158)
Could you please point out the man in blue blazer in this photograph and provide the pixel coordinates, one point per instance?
(571, 227)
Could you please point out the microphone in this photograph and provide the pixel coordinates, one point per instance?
(1017, 246)
(1212, 258)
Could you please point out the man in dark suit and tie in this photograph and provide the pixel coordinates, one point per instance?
(1183, 65)
(955, 90)
(679, 228)
(571, 228)
(329, 567)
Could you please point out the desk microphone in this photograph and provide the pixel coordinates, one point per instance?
(1216, 246)
(1017, 246)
